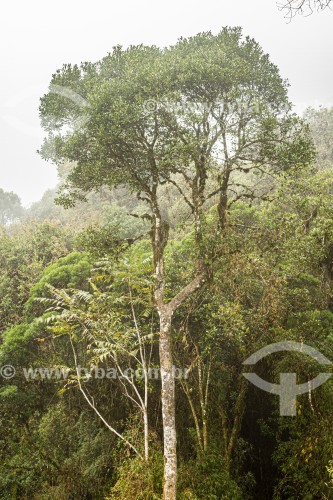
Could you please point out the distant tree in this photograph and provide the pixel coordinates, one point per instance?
(10, 207)
(321, 126)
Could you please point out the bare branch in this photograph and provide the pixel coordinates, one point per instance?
(303, 7)
(92, 405)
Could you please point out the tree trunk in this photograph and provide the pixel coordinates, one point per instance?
(230, 436)
(168, 407)
(146, 432)
(159, 235)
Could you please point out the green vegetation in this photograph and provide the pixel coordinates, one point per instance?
(186, 236)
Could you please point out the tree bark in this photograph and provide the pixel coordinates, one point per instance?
(168, 407)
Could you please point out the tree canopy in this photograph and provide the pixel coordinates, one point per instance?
(206, 107)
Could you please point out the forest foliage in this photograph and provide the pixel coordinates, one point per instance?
(77, 290)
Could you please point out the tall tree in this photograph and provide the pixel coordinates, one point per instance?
(210, 116)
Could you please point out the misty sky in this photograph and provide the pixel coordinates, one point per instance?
(38, 37)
